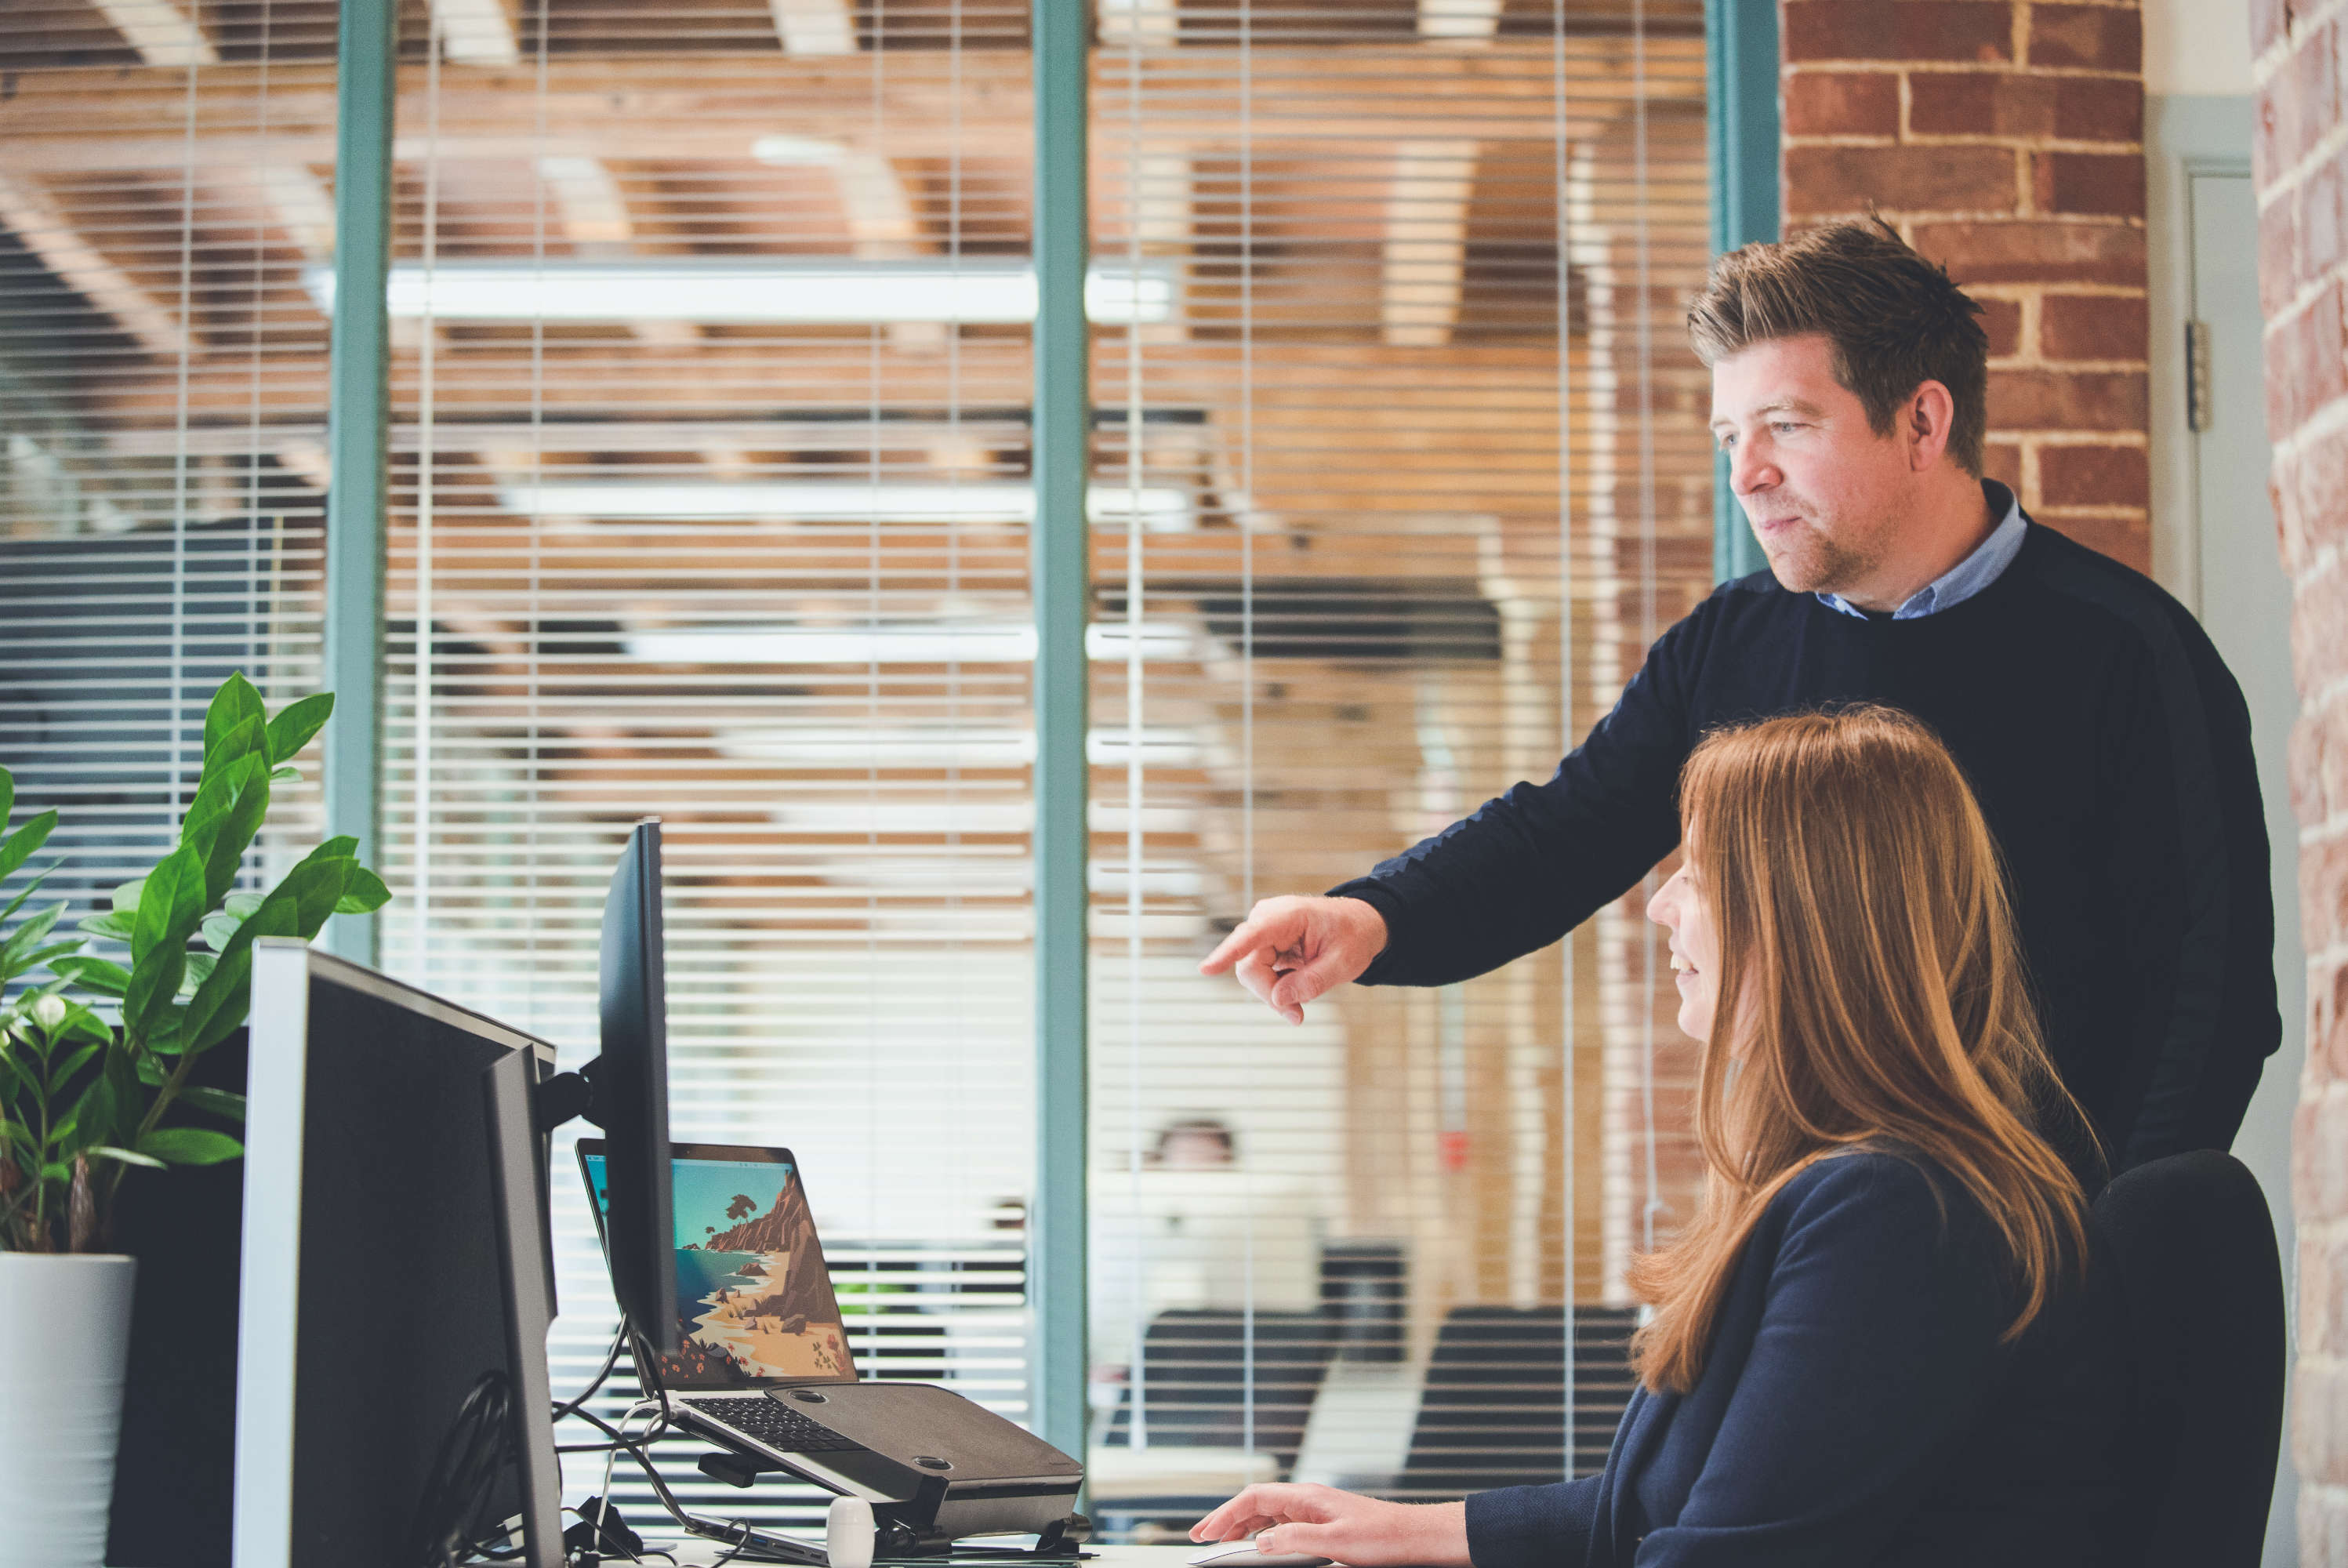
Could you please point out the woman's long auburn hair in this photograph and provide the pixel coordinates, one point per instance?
(1870, 991)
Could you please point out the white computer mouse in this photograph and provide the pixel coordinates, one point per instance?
(1244, 1555)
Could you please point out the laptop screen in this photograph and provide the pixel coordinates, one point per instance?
(754, 1299)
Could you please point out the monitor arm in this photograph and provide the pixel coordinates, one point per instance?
(558, 1099)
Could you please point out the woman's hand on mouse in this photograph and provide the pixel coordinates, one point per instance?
(1326, 1523)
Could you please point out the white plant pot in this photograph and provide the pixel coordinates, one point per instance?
(65, 1334)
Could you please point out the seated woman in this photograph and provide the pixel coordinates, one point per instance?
(1879, 1340)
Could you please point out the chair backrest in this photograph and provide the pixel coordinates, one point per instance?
(1494, 1409)
(2193, 1247)
(1196, 1369)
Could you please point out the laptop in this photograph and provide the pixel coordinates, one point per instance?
(764, 1366)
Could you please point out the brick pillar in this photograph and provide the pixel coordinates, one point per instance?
(2005, 140)
(2297, 167)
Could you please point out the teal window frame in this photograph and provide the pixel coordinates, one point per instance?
(1743, 110)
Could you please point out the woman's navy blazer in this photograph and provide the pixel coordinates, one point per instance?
(1855, 1407)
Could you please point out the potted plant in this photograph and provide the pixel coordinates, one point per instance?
(94, 1061)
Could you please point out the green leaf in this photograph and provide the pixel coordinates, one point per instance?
(154, 987)
(7, 795)
(19, 846)
(190, 1146)
(214, 1101)
(220, 1003)
(165, 1029)
(24, 939)
(225, 856)
(199, 968)
(315, 886)
(278, 774)
(114, 924)
(128, 896)
(235, 705)
(149, 1071)
(96, 1111)
(221, 923)
(128, 1156)
(107, 979)
(290, 730)
(340, 848)
(364, 891)
(20, 1075)
(51, 953)
(26, 892)
(62, 1071)
(168, 913)
(171, 905)
(81, 1024)
(129, 1104)
(201, 819)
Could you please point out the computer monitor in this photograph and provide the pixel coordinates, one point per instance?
(384, 1250)
(630, 1092)
(518, 1176)
(624, 1090)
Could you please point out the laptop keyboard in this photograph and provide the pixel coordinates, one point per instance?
(778, 1427)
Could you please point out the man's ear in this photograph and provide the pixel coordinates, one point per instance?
(1930, 410)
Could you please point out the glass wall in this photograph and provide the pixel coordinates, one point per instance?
(710, 500)
(1428, 398)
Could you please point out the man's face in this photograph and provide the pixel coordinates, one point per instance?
(1825, 493)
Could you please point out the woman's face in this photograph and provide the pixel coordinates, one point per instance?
(1679, 908)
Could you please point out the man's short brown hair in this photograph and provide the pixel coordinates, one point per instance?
(1893, 320)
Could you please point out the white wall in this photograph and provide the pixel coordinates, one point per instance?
(2200, 47)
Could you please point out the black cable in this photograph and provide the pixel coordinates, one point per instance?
(752, 1546)
(475, 1449)
(619, 1342)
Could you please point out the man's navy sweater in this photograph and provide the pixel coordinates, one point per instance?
(2107, 744)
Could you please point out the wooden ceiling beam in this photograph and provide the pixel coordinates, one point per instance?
(49, 232)
(629, 109)
(814, 27)
(1459, 21)
(1426, 242)
(477, 33)
(593, 211)
(162, 32)
(302, 207)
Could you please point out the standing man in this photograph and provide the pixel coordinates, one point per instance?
(2107, 743)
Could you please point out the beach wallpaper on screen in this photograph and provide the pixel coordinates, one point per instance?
(754, 1299)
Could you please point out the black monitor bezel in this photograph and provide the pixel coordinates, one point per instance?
(631, 1089)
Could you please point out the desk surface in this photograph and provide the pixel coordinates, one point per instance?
(1177, 1556)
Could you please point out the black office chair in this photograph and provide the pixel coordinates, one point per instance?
(2193, 1247)
(1494, 1408)
(1197, 1366)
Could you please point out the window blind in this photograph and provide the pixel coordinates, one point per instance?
(711, 377)
(162, 401)
(709, 502)
(1429, 391)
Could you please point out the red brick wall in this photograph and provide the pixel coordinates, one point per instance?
(2005, 139)
(2298, 166)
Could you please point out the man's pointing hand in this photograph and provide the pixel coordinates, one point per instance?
(1290, 950)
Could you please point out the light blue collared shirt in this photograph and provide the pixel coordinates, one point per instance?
(1967, 577)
